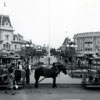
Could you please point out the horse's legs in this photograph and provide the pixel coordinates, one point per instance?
(54, 82)
(36, 81)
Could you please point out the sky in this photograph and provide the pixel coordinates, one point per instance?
(51, 21)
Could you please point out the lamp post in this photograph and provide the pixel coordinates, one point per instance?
(71, 54)
(58, 54)
(31, 55)
(39, 51)
(28, 52)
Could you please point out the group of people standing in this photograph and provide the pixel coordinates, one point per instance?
(25, 71)
(18, 72)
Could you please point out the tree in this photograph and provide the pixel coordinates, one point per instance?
(27, 52)
(53, 51)
(69, 51)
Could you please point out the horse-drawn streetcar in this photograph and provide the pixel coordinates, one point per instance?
(5, 63)
(92, 78)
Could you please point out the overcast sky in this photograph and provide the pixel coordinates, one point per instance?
(30, 18)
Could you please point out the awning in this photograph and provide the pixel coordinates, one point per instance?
(96, 57)
(9, 55)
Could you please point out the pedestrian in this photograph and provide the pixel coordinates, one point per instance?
(79, 63)
(19, 66)
(23, 75)
(89, 63)
(11, 79)
(27, 73)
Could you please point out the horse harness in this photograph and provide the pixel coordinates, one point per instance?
(57, 69)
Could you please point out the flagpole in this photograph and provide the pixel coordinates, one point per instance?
(49, 31)
(4, 4)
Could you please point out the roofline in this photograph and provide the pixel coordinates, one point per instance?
(4, 15)
(95, 32)
(18, 34)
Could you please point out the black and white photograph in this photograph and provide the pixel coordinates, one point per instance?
(49, 49)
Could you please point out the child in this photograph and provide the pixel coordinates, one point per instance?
(11, 79)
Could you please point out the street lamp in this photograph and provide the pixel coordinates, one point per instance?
(27, 46)
(27, 51)
(39, 54)
(71, 53)
(30, 59)
(58, 54)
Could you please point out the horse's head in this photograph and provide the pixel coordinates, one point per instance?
(61, 68)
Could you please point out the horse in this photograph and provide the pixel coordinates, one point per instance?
(49, 73)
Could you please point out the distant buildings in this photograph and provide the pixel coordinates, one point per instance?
(8, 40)
(88, 43)
(67, 44)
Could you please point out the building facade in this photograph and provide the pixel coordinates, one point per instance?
(8, 40)
(88, 42)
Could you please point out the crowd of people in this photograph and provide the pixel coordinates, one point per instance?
(17, 72)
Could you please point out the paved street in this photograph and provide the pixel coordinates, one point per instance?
(68, 89)
(45, 92)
